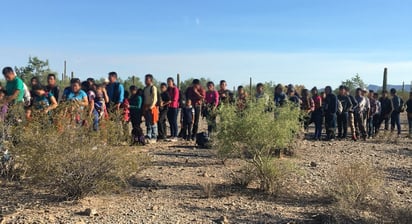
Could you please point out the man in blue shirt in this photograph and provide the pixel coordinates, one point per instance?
(115, 91)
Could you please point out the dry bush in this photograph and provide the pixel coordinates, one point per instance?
(354, 186)
(208, 189)
(245, 176)
(72, 160)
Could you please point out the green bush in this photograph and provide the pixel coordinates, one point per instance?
(72, 160)
(256, 136)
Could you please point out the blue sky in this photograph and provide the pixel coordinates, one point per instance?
(311, 42)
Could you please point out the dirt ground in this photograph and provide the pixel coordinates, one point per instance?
(189, 185)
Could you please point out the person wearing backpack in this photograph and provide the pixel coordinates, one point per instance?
(173, 108)
(330, 107)
(225, 95)
(150, 110)
(115, 91)
(343, 113)
(210, 108)
(196, 94)
(408, 105)
(14, 91)
(397, 109)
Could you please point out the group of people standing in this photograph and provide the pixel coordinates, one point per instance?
(363, 113)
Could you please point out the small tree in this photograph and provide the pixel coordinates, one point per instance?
(255, 136)
(354, 83)
(35, 68)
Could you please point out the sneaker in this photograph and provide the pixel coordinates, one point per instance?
(174, 139)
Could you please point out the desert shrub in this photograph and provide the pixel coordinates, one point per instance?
(256, 136)
(244, 176)
(354, 185)
(71, 159)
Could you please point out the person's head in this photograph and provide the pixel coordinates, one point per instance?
(210, 86)
(112, 77)
(85, 86)
(106, 82)
(133, 90)
(291, 92)
(314, 91)
(188, 102)
(140, 92)
(342, 90)
(259, 88)
(148, 79)
(223, 84)
(290, 89)
(393, 91)
(279, 88)
(163, 87)
(323, 95)
(126, 94)
(196, 83)
(34, 81)
(375, 96)
(305, 93)
(371, 92)
(384, 93)
(170, 82)
(240, 90)
(358, 92)
(51, 79)
(9, 74)
(347, 90)
(364, 92)
(75, 85)
(91, 82)
(328, 90)
(98, 88)
(38, 90)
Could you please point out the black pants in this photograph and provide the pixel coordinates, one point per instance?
(187, 130)
(330, 125)
(359, 125)
(196, 122)
(162, 124)
(342, 125)
(386, 120)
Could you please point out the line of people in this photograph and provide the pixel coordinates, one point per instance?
(363, 114)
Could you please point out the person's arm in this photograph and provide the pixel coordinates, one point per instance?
(139, 102)
(175, 96)
(53, 104)
(154, 97)
(216, 100)
(91, 104)
(391, 107)
(84, 102)
(193, 116)
(105, 95)
(11, 98)
(121, 96)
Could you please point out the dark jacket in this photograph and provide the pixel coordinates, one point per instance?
(346, 103)
(386, 107)
(354, 103)
(331, 104)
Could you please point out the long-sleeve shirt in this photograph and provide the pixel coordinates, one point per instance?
(135, 102)
(115, 91)
(346, 103)
(196, 98)
(331, 104)
(212, 98)
(174, 95)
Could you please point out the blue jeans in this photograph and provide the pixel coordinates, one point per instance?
(151, 128)
(95, 120)
(172, 117)
(396, 120)
(370, 124)
(318, 120)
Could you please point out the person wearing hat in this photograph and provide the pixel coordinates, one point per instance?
(397, 109)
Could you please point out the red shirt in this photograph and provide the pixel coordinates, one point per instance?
(192, 95)
(174, 95)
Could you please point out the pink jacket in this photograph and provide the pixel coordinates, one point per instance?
(174, 96)
(212, 97)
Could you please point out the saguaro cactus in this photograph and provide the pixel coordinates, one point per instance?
(385, 80)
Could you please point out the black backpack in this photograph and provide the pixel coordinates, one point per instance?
(203, 141)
